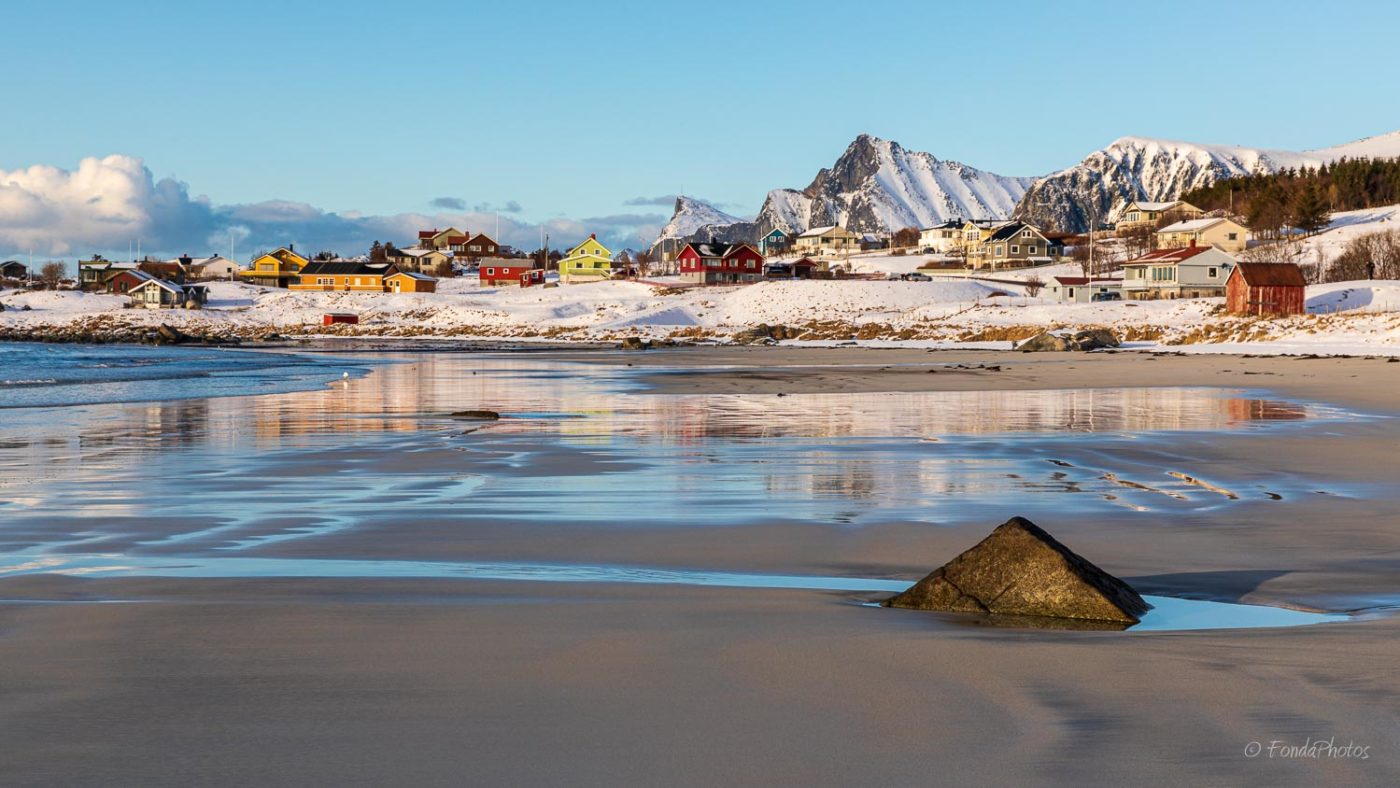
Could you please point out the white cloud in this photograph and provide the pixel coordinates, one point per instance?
(106, 204)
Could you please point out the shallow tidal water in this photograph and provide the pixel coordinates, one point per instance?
(282, 485)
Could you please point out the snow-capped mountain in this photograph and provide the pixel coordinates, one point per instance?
(875, 186)
(1139, 168)
(691, 215)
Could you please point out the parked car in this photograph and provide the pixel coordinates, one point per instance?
(1106, 297)
(920, 278)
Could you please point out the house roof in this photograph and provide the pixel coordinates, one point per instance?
(1154, 206)
(162, 284)
(816, 231)
(343, 268)
(414, 251)
(479, 236)
(412, 275)
(1177, 255)
(1009, 231)
(951, 224)
(1271, 274)
(1084, 280)
(1192, 225)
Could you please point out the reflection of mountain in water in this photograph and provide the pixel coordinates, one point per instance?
(381, 448)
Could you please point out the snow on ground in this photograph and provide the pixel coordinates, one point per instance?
(1347, 225)
(1378, 296)
(1364, 316)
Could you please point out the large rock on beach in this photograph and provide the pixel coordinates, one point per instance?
(1044, 342)
(1088, 339)
(1021, 570)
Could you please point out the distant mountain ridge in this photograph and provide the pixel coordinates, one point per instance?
(875, 186)
(878, 186)
(1141, 168)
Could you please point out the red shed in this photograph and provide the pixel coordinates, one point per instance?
(1265, 289)
(497, 275)
(331, 318)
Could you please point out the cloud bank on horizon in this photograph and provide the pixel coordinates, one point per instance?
(107, 204)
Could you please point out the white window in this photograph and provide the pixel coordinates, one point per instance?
(325, 280)
(750, 264)
(1030, 250)
(1213, 273)
(1234, 236)
(1015, 249)
(999, 251)
(490, 272)
(1025, 233)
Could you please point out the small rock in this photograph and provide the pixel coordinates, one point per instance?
(1022, 570)
(635, 343)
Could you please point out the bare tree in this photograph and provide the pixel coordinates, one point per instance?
(52, 273)
(1033, 286)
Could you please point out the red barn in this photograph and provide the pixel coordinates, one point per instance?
(1265, 289)
(711, 264)
(519, 272)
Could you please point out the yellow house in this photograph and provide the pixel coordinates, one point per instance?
(1139, 214)
(590, 261)
(278, 268)
(1219, 232)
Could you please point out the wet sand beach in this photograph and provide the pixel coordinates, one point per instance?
(870, 466)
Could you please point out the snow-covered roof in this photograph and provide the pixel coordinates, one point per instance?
(1192, 225)
(1154, 206)
(413, 275)
(416, 251)
(817, 231)
(162, 284)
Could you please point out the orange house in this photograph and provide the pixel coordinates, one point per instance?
(410, 282)
(344, 277)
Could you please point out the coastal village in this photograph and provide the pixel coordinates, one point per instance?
(1174, 251)
(1163, 271)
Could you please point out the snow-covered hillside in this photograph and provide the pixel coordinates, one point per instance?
(1141, 168)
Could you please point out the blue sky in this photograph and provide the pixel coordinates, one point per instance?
(569, 109)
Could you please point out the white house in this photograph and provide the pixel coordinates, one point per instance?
(831, 239)
(212, 267)
(1187, 272)
(944, 238)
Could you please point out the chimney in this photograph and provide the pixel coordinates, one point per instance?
(593, 236)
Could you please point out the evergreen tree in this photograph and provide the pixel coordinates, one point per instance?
(1309, 210)
(377, 253)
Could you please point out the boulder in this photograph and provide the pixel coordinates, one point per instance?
(635, 343)
(479, 415)
(1043, 342)
(1088, 339)
(1095, 339)
(167, 333)
(1021, 570)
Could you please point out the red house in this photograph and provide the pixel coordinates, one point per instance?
(1265, 289)
(713, 264)
(519, 272)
